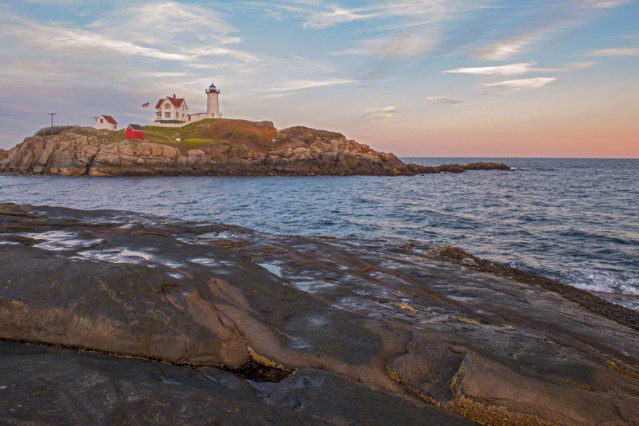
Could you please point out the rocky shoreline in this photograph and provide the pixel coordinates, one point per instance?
(149, 320)
(216, 148)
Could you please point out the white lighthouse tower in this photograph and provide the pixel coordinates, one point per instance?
(212, 102)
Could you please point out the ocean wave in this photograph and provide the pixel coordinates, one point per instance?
(606, 282)
(574, 220)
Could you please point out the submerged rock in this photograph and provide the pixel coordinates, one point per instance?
(292, 329)
(221, 147)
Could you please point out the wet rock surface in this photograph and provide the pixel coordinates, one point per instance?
(242, 326)
(46, 385)
(255, 149)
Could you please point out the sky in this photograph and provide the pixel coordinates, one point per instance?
(432, 78)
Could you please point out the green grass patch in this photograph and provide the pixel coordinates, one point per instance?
(114, 135)
(214, 130)
(206, 133)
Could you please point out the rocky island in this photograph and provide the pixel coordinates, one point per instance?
(219, 147)
(116, 317)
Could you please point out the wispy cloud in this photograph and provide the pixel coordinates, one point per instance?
(297, 85)
(542, 22)
(58, 38)
(614, 52)
(55, 37)
(166, 22)
(201, 52)
(64, 2)
(314, 14)
(507, 49)
(335, 16)
(580, 64)
(522, 84)
(321, 14)
(411, 27)
(512, 69)
(603, 4)
(444, 100)
(379, 113)
(409, 31)
(405, 45)
(165, 31)
(122, 54)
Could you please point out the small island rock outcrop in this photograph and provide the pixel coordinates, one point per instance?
(212, 147)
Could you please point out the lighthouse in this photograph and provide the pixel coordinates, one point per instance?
(212, 102)
(173, 111)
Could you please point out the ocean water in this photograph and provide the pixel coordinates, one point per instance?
(576, 220)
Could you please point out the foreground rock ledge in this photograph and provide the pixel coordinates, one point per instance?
(213, 147)
(326, 330)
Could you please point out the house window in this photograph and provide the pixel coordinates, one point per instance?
(101, 120)
(167, 106)
(167, 115)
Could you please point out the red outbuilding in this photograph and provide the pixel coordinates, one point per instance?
(134, 131)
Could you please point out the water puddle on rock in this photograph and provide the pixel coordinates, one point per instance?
(60, 240)
(272, 268)
(223, 235)
(171, 264)
(117, 256)
(219, 266)
(312, 286)
(205, 261)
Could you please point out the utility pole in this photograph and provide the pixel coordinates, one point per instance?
(52, 114)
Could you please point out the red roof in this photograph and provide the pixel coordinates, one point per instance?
(109, 119)
(177, 102)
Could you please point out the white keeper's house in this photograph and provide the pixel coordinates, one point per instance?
(173, 111)
(105, 122)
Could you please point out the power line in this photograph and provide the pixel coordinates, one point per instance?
(75, 115)
(44, 113)
(16, 127)
(16, 115)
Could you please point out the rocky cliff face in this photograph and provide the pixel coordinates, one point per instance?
(260, 150)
